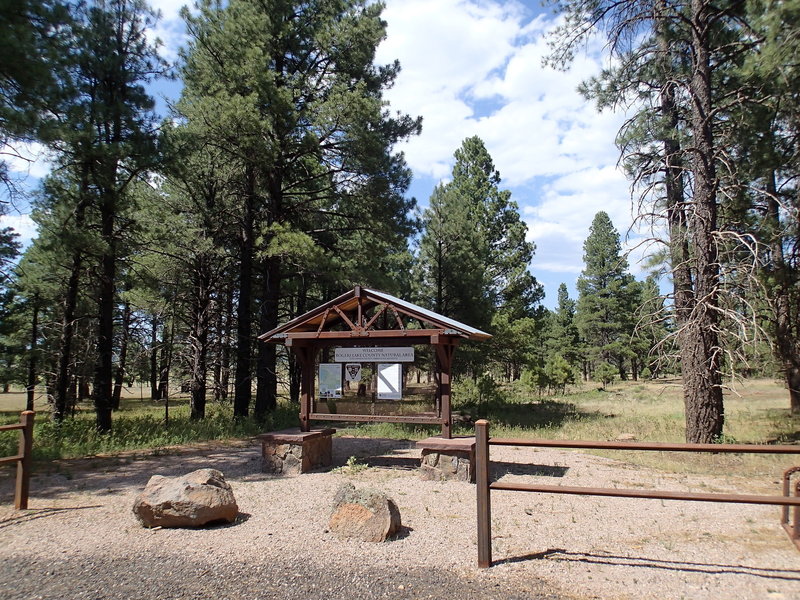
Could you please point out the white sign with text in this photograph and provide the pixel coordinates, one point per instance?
(399, 354)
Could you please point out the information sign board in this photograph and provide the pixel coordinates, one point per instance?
(390, 381)
(352, 372)
(330, 380)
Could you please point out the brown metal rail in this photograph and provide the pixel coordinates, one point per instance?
(649, 446)
(485, 485)
(22, 458)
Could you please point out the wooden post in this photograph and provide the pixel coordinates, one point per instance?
(306, 392)
(24, 463)
(444, 354)
(306, 356)
(795, 531)
(484, 499)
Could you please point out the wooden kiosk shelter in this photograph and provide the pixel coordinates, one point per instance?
(367, 318)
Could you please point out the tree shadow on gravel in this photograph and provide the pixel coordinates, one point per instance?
(384, 453)
(655, 563)
(114, 476)
(40, 513)
(118, 475)
(500, 469)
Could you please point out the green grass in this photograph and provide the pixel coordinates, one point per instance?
(757, 412)
(652, 411)
(138, 425)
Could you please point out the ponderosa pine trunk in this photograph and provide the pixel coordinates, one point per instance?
(104, 368)
(201, 310)
(266, 363)
(223, 379)
(165, 360)
(154, 395)
(674, 178)
(119, 376)
(699, 339)
(242, 378)
(63, 376)
(34, 354)
(295, 368)
(786, 343)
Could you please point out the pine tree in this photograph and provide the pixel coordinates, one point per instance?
(562, 335)
(197, 198)
(34, 52)
(452, 260)
(767, 211)
(290, 93)
(105, 140)
(606, 297)
(473, 259)
(676, 62)
(9, 350)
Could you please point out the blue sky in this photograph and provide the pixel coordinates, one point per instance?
(474, 67)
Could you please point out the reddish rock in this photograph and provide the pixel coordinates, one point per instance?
(367, 515)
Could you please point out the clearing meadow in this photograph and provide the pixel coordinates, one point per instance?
(545, 546)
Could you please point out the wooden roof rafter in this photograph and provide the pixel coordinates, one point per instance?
(399, 320)
(352, 311)
(350, 324)
(375, 317)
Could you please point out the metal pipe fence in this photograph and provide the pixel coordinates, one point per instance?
(485, 485)
(23, 457)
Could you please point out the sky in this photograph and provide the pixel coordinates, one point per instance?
(474, 67)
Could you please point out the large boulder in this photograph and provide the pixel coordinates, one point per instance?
(367, 515)
(193, 500)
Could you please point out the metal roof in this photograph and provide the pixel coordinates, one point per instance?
(429, 314)
(326, 314)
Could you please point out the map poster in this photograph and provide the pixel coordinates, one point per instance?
(390, 381)
(352, 372)
(330, 380)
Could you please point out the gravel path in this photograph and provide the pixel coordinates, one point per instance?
(80, 539)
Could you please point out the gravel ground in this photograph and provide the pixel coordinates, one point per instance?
(81, 540)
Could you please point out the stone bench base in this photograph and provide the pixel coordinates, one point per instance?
(291, 451)
(444, 459)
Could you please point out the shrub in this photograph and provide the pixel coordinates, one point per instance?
(605, 373)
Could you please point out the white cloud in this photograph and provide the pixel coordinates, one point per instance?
(445, 49)
(171, 36)
(170, 9)
(22, 224)
(26, 158)
(458, 55)
(559, 223)
(475, 68)
(169, 29)
(564, 207)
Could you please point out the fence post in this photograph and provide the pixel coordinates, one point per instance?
(795, 532)
(484, 500)
(24, 463)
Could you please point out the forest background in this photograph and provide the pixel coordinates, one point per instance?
(165, 246)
